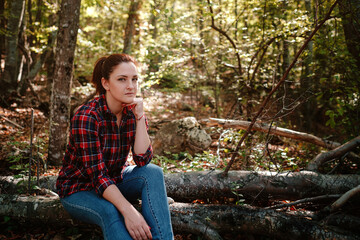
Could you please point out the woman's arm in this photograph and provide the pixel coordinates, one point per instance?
(142, 140)
(134, 221)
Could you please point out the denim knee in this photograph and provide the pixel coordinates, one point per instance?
(154, 171)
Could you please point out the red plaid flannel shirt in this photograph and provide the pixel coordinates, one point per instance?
(98, 149)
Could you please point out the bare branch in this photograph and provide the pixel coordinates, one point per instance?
(305, 200)
(227, 37)
(335, 153)
(344, 198)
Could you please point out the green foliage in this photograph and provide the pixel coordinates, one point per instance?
(18, 158)
(240, 198)
(185, 162)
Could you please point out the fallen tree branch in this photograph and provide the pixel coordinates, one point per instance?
(283, 132)
(344, 198)
(204, 220)
(305, 200)
(335, 153)
(11, 122)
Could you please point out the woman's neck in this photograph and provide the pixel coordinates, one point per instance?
(114, 106)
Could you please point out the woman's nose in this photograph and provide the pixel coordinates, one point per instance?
(130, 84)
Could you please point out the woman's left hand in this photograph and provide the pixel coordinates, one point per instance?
(138, 108)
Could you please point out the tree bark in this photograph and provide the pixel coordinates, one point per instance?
(262, 127)
(60, 97)
(256, 185)
(335, 153)
(307, 84)
(350, 15)
(12, 61)
(206, 221)
(189, 186)
(130, 25)
(2, 31)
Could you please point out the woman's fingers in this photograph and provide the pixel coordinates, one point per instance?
(148, 232)
(138, 107)
(141, 234)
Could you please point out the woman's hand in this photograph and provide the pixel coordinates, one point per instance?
(136, 224)
(138, 108)
(134, 221)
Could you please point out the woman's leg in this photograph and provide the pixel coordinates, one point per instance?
(147, 183)
(87, 206)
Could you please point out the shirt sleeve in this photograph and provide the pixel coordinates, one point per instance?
(145, 158)
(85, 129)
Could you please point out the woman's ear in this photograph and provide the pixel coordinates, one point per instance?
(105, 83)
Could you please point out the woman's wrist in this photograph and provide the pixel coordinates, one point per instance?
(139, 118)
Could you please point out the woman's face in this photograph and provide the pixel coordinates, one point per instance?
(122, 83)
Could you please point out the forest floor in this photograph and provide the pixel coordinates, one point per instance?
(161, 107)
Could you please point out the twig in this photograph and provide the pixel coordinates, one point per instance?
(304, 200)
(282, 80)
(11, 122)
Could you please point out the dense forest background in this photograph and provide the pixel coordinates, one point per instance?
(201, 58)
(229, 56)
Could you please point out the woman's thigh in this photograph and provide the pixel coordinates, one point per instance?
(87, 206)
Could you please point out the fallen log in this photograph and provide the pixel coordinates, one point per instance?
(258, 222)
(208, 221)
(274, 130)
(188, 186)
(256, 185)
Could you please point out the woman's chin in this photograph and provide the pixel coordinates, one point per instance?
(128, 100)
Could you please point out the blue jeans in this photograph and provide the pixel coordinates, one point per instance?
(145, 182)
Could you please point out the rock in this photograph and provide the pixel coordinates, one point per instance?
(180, 136)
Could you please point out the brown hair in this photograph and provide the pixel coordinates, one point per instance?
(104, 67)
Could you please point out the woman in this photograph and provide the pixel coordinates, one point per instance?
(96, 184)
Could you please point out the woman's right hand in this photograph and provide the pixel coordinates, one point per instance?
(134, 221)
(136, 224)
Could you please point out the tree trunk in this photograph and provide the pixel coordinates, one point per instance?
(60, 97)
(350, 15)
(2, 32)
(12, 61)
(153, 19)
(308, 108)
(130, 25)
(206, 221)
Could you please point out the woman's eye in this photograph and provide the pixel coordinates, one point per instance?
(121, 79)
(135, 79)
